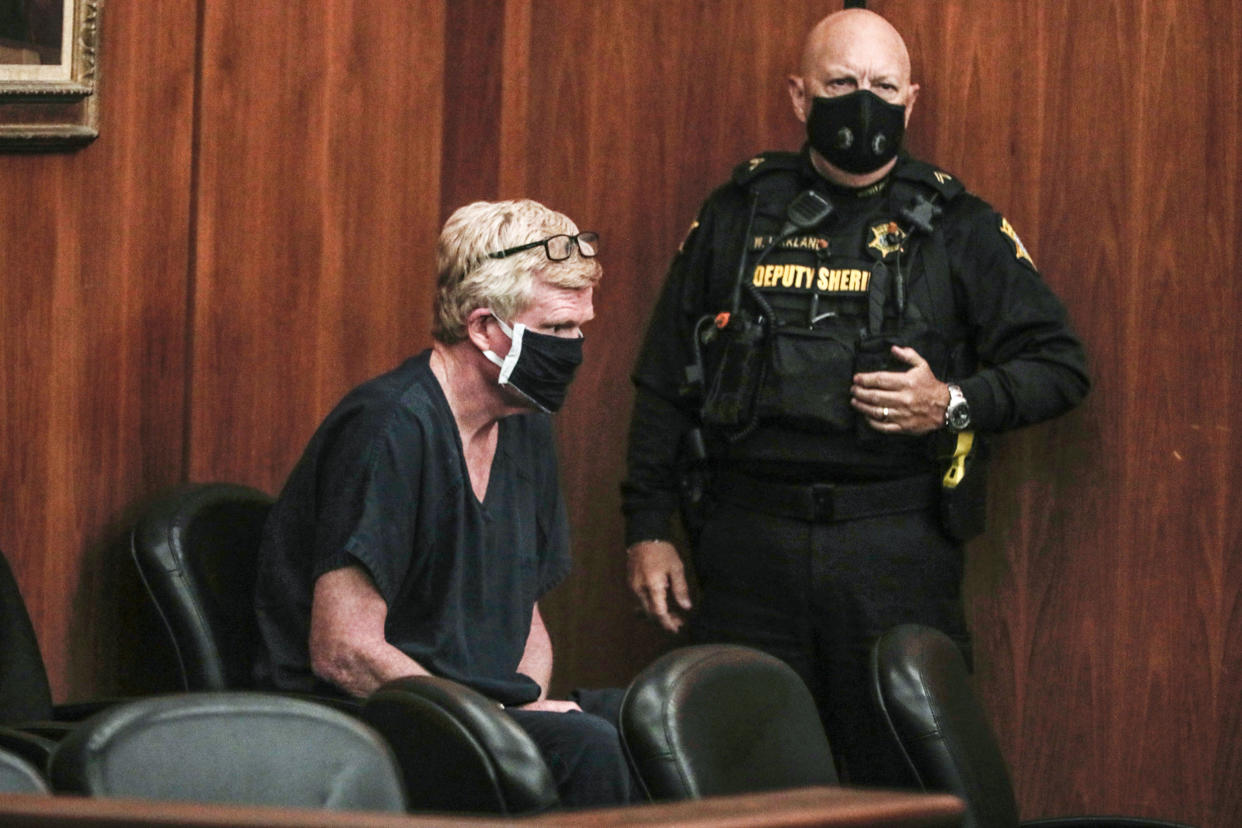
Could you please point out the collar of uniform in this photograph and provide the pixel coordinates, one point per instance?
(836, 190)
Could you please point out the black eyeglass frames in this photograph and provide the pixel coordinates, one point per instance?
(558, 248)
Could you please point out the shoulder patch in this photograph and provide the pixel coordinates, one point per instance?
(1019, 249)
(942, 182)
(763, 164)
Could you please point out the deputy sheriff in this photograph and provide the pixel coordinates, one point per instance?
(837, 334)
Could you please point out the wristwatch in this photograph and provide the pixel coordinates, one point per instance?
(957, 413)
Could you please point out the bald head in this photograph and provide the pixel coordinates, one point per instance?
(849, 51)
(855, 30)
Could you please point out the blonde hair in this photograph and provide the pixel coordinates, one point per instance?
(468, 279)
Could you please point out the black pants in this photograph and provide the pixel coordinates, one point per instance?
(583, 750)
(817, 595)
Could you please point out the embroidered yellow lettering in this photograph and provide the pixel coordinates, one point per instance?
(801, 277)
(839, 280)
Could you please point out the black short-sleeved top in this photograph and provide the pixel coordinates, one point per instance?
(383, 484)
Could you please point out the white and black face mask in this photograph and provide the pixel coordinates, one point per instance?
(538, 366)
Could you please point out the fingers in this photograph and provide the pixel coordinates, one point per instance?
(910, 356)
(659, 609)
(681, 590)
(553, 706)
(655, 569)
(880, 417)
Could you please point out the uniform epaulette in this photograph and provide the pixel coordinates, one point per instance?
(764, 163)
(920, 172)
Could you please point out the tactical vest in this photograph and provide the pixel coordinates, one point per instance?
(812, 306)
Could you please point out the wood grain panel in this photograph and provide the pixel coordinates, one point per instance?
(1102, 602)
(319, 207)
(473, 103)
(93, 308)
(186, 297)
(1103, 599)
(635, 114)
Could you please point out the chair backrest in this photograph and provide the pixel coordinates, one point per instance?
(197, 549)
(17, 775)
(458, 751)
(24, 691)
(922, 685)
(235, 747)
(721, 719)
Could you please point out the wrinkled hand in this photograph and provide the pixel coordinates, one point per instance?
(655, 569)
(901, 402)
(552, 706)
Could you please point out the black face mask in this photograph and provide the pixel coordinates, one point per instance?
(538, 366)
(859, 132)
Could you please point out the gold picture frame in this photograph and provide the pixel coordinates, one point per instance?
(49, 71)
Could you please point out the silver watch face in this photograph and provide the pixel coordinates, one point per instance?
(959, 415)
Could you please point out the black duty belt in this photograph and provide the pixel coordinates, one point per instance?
(826, 502)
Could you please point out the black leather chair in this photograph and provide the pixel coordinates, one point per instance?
(921, 683)
(19, 775)
(196, 550)
(720, 719)
(24, 691)
(221, 747)
(32, 723)
(456, 754)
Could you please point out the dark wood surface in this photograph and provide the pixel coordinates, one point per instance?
(781, 809)
(253, 233)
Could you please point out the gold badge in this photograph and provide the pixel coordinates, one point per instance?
(1019, 247)
(754, 162)
(886, 238)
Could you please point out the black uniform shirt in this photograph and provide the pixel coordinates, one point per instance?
(383, 485)
(1025, 363)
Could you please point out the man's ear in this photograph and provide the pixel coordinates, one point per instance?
(477, 328)
(911, 97)
(797, 95)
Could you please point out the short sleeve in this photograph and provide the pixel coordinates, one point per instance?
(369, 500)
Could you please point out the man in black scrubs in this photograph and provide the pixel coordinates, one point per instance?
(424, 521)
(839, 323)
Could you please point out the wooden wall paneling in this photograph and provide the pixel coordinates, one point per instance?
(1103, 598)
(1174, 616)
(319, 207)
(92, 285)
(989, 113)
(636, 111)
(474, 45)
(1223, 577)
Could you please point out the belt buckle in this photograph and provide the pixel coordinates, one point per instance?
(823, 502)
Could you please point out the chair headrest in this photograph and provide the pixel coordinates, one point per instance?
(238, 747)
(482, 761)
(17, 775)
(922, 685)
(196, 549)
(723, 719)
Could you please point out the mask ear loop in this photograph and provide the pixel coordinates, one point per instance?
(509, 361)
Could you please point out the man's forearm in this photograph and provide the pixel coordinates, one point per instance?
(346, 642)
(360, 671)
(537, 657)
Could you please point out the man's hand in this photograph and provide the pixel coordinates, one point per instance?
(901, 402)
(552, 706)
(655, 568)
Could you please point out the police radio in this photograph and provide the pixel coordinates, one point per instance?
(729, 400)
